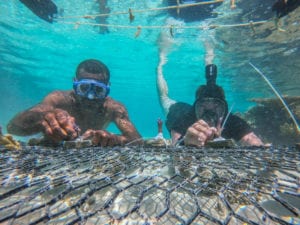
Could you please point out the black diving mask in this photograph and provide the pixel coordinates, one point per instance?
(211, 110)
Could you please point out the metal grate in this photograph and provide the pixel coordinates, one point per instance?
(150, 186)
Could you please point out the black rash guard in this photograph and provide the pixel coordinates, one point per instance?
(182, 115)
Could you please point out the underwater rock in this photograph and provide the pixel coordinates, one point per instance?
(272, 122)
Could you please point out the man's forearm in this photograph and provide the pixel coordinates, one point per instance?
(252, 140)
(28, 122)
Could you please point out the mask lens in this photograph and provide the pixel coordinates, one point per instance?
(99, 91)
(211, 110)
(91, 89)
(84, 88)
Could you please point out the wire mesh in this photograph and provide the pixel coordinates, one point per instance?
(150, 186)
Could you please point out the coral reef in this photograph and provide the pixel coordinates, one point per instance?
(272, 122)
(8, 142)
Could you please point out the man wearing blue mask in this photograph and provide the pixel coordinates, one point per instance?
(87, 109)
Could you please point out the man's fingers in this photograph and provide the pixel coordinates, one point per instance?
(67, 123)
(89, 134)
(55, 127)
(100, 137)
(112, 140)
(199, 133)
(203, 123)
(202, 126)
(191, 137)
(47, 128)
(197, 136)
(49, 132)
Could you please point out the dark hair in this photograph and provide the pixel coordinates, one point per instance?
(93, 66)
(213, 91)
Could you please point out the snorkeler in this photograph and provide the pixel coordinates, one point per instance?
(208, 117)
(63, 115)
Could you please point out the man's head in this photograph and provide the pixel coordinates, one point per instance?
(210, 104)
(93, 69)
(92, 80)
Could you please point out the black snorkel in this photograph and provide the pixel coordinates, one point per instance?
(210, 104)
(211, 72)
(212, 94)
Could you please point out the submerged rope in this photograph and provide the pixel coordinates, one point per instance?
(213, 26)
(131, 13)
(179, 6)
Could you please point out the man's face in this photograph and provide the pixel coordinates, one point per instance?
(211, 110)
(91, 86)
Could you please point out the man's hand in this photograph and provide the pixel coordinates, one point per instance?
(59, 125)
(252, 140)
(102, 138)
(199, 133)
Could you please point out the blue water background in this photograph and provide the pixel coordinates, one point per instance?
(38, 57)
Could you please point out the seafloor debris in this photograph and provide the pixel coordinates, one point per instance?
(272, 122)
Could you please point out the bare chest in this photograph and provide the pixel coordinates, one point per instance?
(92, 119)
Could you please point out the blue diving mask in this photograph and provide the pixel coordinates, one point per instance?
(91, 89)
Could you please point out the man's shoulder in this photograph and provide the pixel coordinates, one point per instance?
(110, 100)
(113, 104)
(60, 93)
(234, 118)
(180, 110)
(181, 115)
(180, 107)
(58, 96)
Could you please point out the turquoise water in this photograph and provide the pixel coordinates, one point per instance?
(38, 57)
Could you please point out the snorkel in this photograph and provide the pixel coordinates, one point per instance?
(210, 104)
(211, 75)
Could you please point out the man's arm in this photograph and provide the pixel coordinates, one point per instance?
(46, 117)
(121, 119)
(176, 137)
(251, 139)
(29, 121)
(238, 129)
(128, 130)
(161, 84)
